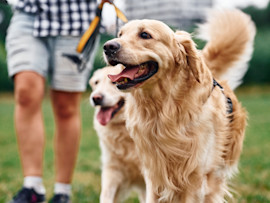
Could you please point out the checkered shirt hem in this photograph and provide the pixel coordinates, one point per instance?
(59, 17)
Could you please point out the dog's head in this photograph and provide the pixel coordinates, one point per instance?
(105, 97)
(150, 51)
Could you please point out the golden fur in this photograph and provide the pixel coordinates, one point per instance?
(188, 144)
(120, 164)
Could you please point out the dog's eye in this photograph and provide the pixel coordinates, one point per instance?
(96, 82)
(145, 35)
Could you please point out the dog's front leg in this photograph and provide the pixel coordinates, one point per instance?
(110, 183)
(142, 195)
(151, 197)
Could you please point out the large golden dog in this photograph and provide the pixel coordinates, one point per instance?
(121, 168)
(182, 114)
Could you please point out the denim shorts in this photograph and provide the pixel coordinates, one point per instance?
(54, 58)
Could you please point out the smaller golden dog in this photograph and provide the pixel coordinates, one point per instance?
(120, 164)
(187, 127)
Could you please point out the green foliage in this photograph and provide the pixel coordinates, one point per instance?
(5, 12)
(259, 70)
(6, 83)
(260, 16)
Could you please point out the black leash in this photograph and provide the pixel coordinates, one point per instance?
(229, 101)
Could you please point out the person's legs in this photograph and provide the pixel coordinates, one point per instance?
(66, 83)
(27, 64)
(28, 58)
(29, 91)
(66, 106)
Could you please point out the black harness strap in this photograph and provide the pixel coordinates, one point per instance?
(229, 101)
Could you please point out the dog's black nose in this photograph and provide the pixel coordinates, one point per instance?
(111, 47)
(97, 99)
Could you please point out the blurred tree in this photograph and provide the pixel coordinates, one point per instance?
(259, 70)
(5, 15)
(260, 16)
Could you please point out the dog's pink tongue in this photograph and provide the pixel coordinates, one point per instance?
(104, 115)
(126, 73)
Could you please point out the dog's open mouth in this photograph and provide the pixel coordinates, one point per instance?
(133, 75)
(105, 114)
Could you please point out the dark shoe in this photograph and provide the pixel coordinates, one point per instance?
(60, 198)
(27, 195)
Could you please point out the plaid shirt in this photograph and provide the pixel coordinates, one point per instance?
(59, 17)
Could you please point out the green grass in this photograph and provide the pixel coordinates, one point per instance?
(252, 183)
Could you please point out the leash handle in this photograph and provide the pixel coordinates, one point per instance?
(119, 13)
(96, 23)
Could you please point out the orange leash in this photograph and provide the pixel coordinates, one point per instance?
(92, 31)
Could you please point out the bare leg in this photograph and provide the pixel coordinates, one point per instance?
(29, 91)
(66, 107)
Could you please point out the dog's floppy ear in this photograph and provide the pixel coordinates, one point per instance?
(187, 51)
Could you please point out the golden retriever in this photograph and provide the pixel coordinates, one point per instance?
(121, 170)
(187, 127)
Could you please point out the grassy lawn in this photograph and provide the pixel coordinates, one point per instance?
(252, 183)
